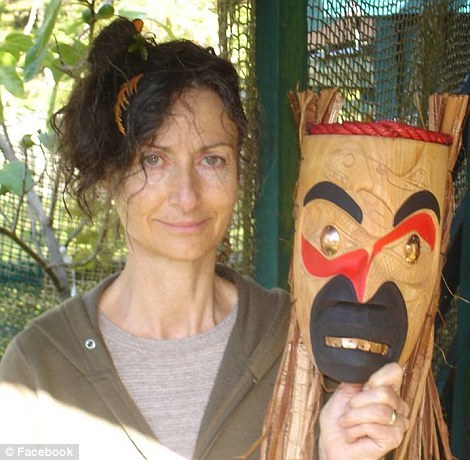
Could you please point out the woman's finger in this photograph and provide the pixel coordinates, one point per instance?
(389, 375)
(386, 437)
(382, 414)
(385, 396)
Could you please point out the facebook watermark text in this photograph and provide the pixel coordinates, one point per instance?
(42, 451)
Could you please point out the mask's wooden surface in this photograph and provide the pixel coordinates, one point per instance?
(381, 200)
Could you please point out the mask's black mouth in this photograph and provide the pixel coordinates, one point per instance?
(351, 340)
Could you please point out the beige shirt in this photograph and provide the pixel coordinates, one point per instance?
(170, 380)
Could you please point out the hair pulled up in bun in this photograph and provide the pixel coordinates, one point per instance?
(91, 146)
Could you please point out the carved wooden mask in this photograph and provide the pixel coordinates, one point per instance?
(366, 249)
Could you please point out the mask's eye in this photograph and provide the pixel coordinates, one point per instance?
(330, 240)
(412, 249)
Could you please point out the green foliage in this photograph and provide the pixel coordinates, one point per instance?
(15, 177)
(36, 54)
(47, 140)
(8, 75)
(16, 43)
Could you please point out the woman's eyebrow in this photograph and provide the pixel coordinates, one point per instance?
(202, 147)
(218, 144)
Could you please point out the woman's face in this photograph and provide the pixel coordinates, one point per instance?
(181, 206)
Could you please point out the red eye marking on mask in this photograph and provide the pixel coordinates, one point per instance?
(355, 265)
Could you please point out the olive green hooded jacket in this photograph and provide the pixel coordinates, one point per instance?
(58, 384)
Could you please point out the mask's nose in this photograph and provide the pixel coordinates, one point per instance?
(354, 265)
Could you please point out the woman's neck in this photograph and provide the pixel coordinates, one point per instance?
(168, 300)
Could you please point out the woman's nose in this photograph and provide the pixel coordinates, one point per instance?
(185, 188)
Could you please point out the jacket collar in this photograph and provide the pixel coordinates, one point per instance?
(256, 342)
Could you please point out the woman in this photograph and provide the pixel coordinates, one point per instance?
(175, 347)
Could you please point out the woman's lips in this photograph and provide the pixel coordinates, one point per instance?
(185, 227)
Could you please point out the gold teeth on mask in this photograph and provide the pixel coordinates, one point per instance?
(357, 344)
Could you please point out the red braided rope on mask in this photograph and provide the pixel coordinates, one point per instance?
(381, 129)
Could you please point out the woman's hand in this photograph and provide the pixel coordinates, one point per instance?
(364, 422)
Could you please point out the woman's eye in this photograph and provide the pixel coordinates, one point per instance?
(412, 249)
(213, 161)
(152, 160)
(330, 241)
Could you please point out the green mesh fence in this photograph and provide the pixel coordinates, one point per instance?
(236, 41)
(26, 288)
(21, 280)
(388, 56)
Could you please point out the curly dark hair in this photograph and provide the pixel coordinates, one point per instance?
(91, 148)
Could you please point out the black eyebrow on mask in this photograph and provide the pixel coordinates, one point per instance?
(331, 192)
(419, 200)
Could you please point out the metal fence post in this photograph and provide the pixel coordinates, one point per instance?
(281, 63)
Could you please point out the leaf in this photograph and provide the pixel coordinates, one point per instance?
(56, 69)
(15, 177)
(36, 54)
(9, 78)
(16, 43)
(48, 139)
(67, 53)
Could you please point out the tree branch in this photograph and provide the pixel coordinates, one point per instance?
(59, 270)
(98, 245)
(37, 258)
